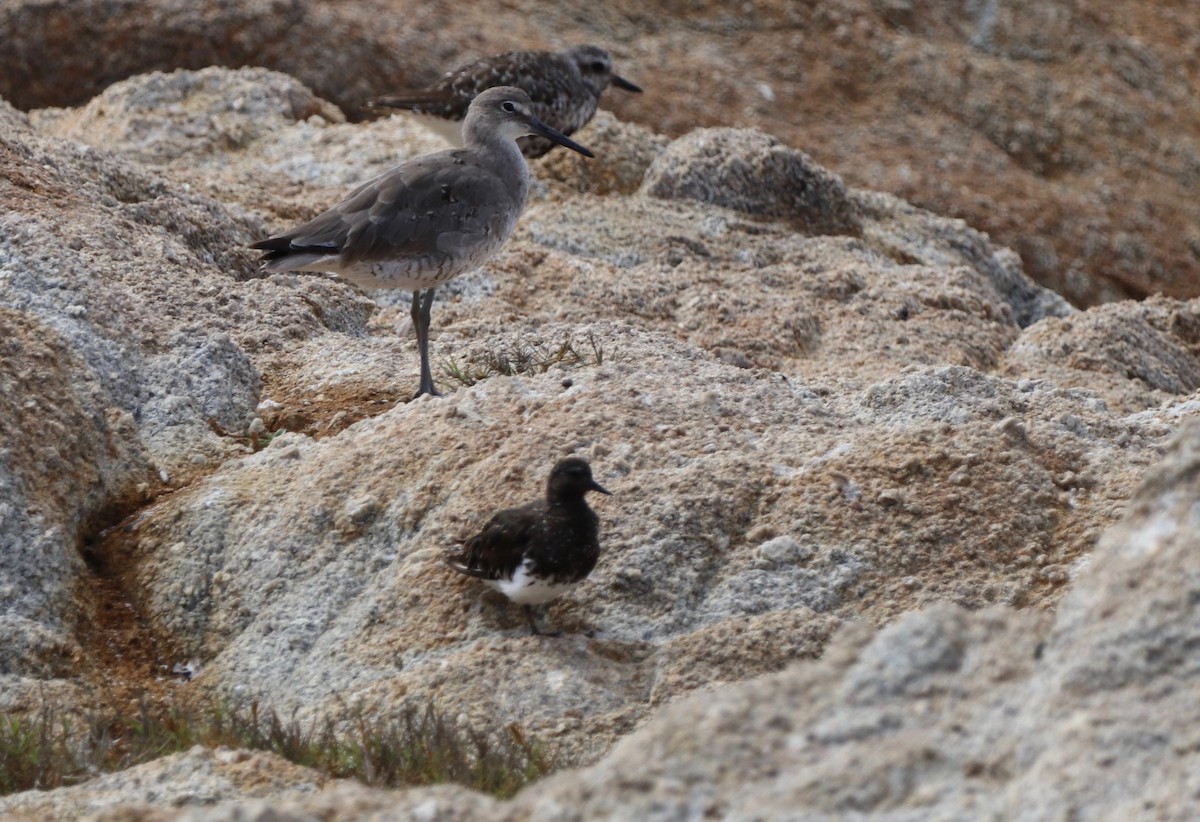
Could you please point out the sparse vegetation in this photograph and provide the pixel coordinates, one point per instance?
(526, 358)
(261, 441)
(50, 749)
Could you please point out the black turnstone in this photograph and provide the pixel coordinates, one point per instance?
(430, 219)
(565, 88)
(540, 551)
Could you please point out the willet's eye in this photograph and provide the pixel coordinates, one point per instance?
(508, 107)
(597, 66)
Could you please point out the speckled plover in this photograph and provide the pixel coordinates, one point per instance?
(565, 88)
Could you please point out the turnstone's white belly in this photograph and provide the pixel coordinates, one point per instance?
(526, 589)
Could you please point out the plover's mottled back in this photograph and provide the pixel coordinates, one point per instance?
(565, 88)
(428, 220)
(542, 550)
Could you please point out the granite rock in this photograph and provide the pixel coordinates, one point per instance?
(810, 435)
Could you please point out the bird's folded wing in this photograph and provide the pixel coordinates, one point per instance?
(506, 69)
(423, 208)
(436, 102)
(498, 549)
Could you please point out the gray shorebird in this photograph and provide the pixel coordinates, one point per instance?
(428, 220)
(540, 551)
(565, 87)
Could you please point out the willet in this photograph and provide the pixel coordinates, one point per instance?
(428, 220)
(565, 88)
(540, 551)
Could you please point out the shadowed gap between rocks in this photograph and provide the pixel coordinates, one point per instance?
(126, 658)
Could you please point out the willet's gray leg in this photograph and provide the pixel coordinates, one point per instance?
(421, 311)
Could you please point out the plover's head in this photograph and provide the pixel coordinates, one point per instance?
(571, 478)
(595, 66)
(506, 110)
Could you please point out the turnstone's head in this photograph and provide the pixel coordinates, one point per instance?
(572, 479)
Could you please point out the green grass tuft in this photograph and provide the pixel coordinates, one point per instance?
(263, 440)
(50, 750)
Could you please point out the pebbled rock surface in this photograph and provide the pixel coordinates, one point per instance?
(894, 437)
(755, 173)
(198, 777)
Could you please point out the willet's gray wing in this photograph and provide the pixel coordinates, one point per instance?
(513, 68)
(426, 214)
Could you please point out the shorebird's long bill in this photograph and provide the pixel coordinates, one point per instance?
(595, 486)
(621, 82)
(538, 127)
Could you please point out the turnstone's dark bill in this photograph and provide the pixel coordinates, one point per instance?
(565, 88)
(540, 551)
(430, 219)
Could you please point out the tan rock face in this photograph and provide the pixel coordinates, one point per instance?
(1152, 345)
(813, 411)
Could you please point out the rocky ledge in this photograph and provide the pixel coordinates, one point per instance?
(883, 538)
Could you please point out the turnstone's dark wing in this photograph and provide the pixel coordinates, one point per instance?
(497, 550)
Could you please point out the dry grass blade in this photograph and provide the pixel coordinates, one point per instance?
(48, 750)
(510, 359)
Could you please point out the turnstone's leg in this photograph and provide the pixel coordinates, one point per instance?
(533, 628)
(533, 624)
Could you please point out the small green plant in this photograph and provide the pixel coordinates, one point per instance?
(425, 748)
(263, 440)
(458, 372)
(526, 358)
(32, 752)
(415, 747)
